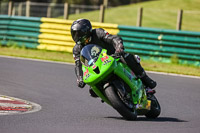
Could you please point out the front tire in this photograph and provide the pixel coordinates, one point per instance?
(117, 104)
(155, 108)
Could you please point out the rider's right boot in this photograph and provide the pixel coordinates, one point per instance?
(150, 91)
(148, 82)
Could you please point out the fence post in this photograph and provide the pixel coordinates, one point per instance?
(20, 9)
(28, 8)
(105, 3)
(139, 17)
(77, 11)
(102, 10)
(13, 11)
(179, 19)
(10, 7)
(0, 7)
(66, 11)
(49, 11)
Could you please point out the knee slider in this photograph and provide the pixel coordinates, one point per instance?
(137, 58)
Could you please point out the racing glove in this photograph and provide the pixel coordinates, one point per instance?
(80, 82)
(119, 49)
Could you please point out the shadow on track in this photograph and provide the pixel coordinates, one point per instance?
(159, 119)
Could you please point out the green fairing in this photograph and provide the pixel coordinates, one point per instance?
(105, 70)
(108, 66)
(92, 78)
(124, 72)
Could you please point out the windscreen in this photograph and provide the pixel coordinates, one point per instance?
(90, 54)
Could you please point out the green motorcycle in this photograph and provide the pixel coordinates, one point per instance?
(115, 83)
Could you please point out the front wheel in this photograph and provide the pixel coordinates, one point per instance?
(116, 102)
(155, 108)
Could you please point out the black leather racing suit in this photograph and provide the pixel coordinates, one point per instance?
(111, 43)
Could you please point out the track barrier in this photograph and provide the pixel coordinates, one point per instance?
(149, 43)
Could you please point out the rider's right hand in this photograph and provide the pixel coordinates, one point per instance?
(80, 82)
(119, 49)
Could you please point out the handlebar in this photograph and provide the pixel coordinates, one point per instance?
(117, 55)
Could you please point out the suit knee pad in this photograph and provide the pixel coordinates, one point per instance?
(137, 58)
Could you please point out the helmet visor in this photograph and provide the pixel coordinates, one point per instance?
(80, 37)
(77, 35)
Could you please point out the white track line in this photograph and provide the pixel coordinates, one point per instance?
(29, 59)
(173, 74)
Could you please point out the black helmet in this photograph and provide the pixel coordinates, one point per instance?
(81, 31)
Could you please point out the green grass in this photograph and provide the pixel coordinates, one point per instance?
(156, 14)
(171, 68)
(37, 54)
(68, 57)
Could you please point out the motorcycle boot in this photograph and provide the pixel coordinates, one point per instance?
(148, 82)
(150, 91)
(133, 61)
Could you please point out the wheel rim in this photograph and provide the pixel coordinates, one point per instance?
(127, 101)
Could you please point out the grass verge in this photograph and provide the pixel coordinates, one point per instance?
(156, 14)
(68, 57)
(37, 54)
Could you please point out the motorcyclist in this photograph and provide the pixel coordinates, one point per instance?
(83, 34)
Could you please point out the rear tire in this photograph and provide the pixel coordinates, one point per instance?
(155, 108)
(117, 104)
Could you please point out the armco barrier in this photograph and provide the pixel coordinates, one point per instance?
(162, 45)
(41, 33)
(20, 31)
(54, 34)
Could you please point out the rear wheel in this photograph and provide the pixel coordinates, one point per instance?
(125, 109)
(155, 108)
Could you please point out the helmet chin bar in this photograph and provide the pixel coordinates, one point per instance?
(79, 42)
(86, 41)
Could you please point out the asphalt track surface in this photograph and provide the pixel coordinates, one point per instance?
(68, 109)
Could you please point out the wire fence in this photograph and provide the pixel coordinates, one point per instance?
(50, 10)
(148, 17)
